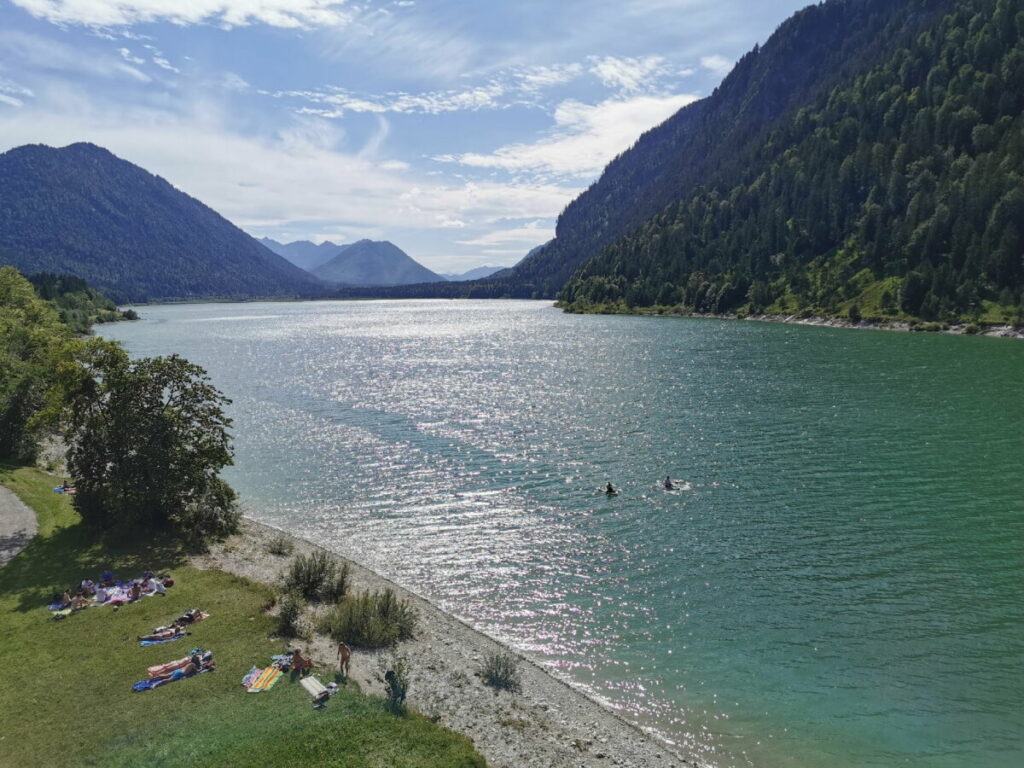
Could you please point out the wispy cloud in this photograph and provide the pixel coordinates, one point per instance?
(163, 63)
(335, 102)
(532, 233)
(630, 75)
(229, 13)
(585, 137)
(717, 64)
(13, 94)
(43, 54)
(131, 58)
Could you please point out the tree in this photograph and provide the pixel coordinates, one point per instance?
(146, 440)
(32, 338)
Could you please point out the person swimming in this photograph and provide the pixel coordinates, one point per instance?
(610, 489)
(668, 483)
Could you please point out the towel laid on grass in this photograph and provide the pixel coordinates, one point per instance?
(262, 679)
(178, 636)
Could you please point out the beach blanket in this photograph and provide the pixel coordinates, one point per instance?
(262, 679)
(251, 675)
(178, 636)
(57, 606)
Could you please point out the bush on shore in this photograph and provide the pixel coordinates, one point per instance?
(501, 672)
(317, 577)
(370, 620)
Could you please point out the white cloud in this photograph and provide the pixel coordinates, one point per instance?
(532, 233)
(42, 54)
(231, 13)
(337, 101)
(585, 138)
(629, 75)
(720, 65)
(163, 63)
(298, 178)
(535, 78)
(232, 82)
(11, 93)
(128, 56)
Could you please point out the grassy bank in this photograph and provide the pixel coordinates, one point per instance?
(65, 687)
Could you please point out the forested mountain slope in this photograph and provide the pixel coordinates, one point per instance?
(897, 190)
(82, 211)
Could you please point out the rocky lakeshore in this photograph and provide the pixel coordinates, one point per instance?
(546, 725)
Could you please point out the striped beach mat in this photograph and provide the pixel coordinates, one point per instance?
(265, 680)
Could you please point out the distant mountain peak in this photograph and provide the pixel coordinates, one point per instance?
(374, 262)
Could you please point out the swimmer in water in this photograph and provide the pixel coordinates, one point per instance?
(610, 489)
(668, 483)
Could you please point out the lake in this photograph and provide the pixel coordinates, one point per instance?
(838, 580)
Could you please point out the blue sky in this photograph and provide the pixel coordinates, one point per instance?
(457, 130)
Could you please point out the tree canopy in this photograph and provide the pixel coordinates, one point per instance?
(145, 438)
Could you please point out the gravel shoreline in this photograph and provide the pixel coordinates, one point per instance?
(548, 724)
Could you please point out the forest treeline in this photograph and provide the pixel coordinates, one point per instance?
(897, 193)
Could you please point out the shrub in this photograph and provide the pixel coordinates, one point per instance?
(289, 616)
(280, 545)
(370, 620)
(501, 672)
(314, 576)
(336, 587)
(394, 673)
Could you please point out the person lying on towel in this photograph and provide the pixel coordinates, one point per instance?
(163, 633)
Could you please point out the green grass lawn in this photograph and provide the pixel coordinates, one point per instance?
(65, 686)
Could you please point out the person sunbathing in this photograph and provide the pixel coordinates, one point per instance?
(79, 601)
(163, 633)
(162, 670)
(135, 592)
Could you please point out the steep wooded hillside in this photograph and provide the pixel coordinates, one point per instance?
(82, 211)
(898, 190)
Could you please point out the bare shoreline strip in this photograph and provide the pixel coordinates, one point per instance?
(549, 724)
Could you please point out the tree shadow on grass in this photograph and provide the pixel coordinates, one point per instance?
(67, 556)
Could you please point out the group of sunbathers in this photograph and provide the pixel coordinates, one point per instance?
(111, 591)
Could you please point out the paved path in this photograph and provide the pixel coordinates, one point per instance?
(17, 525)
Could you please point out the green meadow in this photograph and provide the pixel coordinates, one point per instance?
(66, 686)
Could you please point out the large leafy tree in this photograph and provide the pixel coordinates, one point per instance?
(32, 339)
(146, 441)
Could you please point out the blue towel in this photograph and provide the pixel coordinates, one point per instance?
(144, 643)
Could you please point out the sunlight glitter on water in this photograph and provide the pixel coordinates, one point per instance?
(838, 583)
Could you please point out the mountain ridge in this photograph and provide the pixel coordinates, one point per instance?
(374, 263)
(80, 210)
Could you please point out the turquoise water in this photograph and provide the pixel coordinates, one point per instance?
(839, 582)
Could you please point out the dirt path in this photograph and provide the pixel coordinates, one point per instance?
(17, 525)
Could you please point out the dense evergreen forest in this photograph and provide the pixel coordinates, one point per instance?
(80, 210)
(897, 192)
